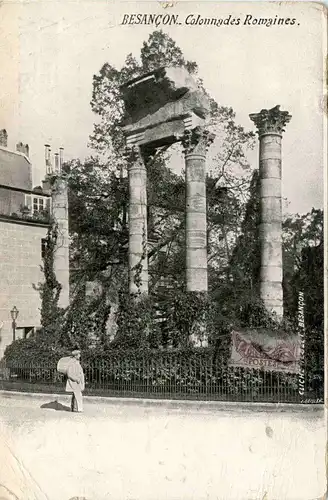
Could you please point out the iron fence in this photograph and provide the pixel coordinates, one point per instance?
(197, 375)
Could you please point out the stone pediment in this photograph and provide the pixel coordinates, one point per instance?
(161, 105)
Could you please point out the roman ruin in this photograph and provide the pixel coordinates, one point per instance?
(164, 107)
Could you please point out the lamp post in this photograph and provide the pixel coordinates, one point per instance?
(14, 315)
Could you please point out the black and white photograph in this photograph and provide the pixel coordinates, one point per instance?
(163, 171)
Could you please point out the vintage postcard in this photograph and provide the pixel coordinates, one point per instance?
(163, 173)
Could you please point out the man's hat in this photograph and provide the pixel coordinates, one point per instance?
(76, 351)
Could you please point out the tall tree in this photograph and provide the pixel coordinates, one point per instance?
(303, 264)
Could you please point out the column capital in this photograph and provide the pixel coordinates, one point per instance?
(270, 121)
(134, 157)
(197, 140)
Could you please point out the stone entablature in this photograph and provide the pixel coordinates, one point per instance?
(160, 106)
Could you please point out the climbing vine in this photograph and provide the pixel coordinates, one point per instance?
(51, 313)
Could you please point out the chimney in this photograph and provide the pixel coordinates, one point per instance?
(61, 158)
(20, 147)
(47, 152)
(3, 138)
(57, 170)
(23, 148)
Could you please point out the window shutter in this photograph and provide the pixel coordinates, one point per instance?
(28, 202)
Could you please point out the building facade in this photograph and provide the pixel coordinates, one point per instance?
(24, 221)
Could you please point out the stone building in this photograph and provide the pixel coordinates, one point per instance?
(24, 221)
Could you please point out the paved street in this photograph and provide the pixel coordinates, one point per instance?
(126, 451)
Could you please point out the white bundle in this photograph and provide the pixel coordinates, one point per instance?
(63, 364)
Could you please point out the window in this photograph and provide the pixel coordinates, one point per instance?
(37, 204)
(24, 332)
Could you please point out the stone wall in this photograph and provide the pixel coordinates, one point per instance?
(20, 261)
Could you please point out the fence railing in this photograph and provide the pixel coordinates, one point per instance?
(198, 375)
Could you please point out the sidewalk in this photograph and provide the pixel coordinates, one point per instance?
(123, 449)
(187, 405)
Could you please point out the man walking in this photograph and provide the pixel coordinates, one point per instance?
(75, 381)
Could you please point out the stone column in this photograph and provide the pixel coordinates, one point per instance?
(270, 126)
(138, 259)
(61, 253)
(195, 143)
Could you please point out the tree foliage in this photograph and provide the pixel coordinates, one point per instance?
(303, 265)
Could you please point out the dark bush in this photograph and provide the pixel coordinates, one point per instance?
(33, 350)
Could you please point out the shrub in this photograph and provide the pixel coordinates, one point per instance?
(33, 350)
(136, 323)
